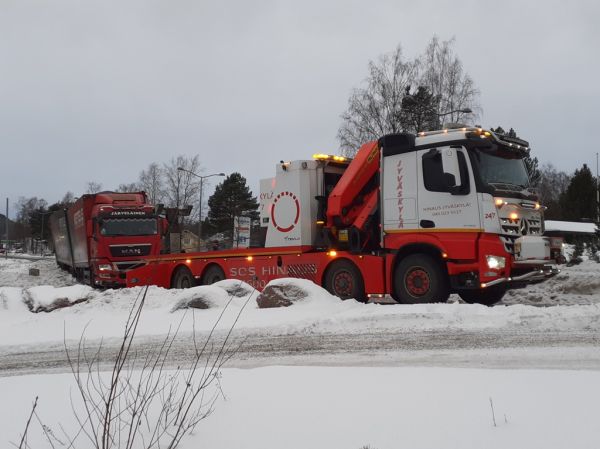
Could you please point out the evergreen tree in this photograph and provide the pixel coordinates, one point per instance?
(232, 198)
(531, 164)
(579, 200)
(419, 111)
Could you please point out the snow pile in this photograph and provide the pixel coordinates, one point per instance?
(287, 291)
(47, 298)
(576, 285)
(203, 297)
(11, 301)
(236, 288)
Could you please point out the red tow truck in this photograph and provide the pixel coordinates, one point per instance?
(416, 217)
(104, 235)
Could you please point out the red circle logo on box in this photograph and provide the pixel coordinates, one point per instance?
(286, 197)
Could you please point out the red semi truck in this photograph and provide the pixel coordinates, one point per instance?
(103, 235)
(414, 217)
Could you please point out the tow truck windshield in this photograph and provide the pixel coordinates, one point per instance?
(502, 169)
(128, 226)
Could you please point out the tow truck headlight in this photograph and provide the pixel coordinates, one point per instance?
(104, 267)
(495, 262)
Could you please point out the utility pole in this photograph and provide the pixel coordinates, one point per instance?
(202, 178)
(597, 193)
(6, 230)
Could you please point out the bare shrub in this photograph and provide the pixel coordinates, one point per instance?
(139, 402)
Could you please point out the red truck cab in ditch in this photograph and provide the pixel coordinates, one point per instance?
(104, 235)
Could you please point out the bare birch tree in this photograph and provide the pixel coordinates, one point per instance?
(128, 187)
(181, 187)
(377, 108)
(93, 187)
(151, 181)
(441, 72)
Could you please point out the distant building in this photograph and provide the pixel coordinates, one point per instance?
(571, 230)
(189, 241)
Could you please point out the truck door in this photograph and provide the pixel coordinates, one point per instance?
(400, 192)
(447, 198)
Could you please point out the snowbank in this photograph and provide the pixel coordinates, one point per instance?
(575, 293)
(47, 298)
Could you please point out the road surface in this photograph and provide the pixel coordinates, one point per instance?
(456, 348)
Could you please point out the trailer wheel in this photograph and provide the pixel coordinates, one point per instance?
(420, 278)
(486, 296)
(212, 274)
(343, 279)
(182, 278)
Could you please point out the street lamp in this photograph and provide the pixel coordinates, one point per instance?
(43, 214)
(462, 111)
(202, 178)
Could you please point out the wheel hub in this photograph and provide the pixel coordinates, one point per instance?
(417, 282)
(343, 284)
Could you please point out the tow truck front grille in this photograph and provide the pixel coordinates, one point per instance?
(515, 228)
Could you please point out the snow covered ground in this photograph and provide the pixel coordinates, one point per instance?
(379, 375)
(349, 408)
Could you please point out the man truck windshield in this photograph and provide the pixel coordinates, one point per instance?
(128, 226)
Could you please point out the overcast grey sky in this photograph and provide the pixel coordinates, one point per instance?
(96, 90)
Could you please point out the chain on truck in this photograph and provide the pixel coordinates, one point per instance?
(414, 217)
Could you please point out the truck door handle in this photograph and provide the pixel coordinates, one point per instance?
(427, 224)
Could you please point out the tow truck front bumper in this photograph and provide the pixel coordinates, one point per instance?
(533, 276)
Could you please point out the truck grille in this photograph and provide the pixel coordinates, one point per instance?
(124, 266)
(515, 228)
(130, 250)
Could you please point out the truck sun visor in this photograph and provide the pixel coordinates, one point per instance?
(397, 143)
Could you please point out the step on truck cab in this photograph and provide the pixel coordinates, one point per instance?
(414, 217)
(104, 235)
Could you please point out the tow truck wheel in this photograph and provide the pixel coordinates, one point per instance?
(420, 278)
(344, 280)
(182, 278)
(486, 296)
(213, 274)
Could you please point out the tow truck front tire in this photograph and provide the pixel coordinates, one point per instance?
(182, 278)
(420, 278)
(486, 296)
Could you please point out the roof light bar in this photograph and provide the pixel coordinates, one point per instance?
(329, 157)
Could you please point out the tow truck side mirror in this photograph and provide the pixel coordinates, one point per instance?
(451, 167)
